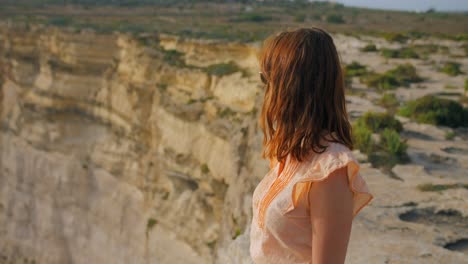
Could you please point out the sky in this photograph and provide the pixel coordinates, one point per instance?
(410, 5)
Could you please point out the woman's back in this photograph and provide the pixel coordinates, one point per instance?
(281, 230)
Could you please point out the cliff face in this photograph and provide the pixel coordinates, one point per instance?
(117, 149)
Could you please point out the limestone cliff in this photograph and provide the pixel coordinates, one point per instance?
(113, 153)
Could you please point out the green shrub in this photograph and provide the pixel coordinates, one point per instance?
(466, 85)
(403, 53)
(222, 69)
(390, 150)
(450, 135)
(204, 168)
(405, 74)
(300, 18)
(389, 100)
(424, 50)
(449, 86)
(135, 28)
(225, 112)
(402, 75)
(191, 101)
(362, 138)
(437, 111)
(414, 51)
(395, 37)
(60, 21)
(162, 86)
(254, 17)
(392, 143)
(429, 187)
(355, 69)
(377, 122)
(237, 233)
(451, 68)
(462, 37)
(417, 34)
(389, 53)
(173, 57)
(379, 81)
(369, 48)
(335, 19)
(150, 224)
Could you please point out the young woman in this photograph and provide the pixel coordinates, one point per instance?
(304, 207)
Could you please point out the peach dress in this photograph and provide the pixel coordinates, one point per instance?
(281, 229)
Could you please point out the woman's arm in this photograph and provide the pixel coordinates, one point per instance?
(331, 210)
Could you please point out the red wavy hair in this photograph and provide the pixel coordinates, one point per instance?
(304, 96)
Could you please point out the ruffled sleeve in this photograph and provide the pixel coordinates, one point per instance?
(336, 157)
